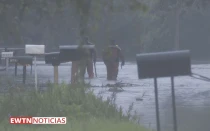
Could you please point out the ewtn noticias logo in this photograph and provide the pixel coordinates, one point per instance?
(38, 120)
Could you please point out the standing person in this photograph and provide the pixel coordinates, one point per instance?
(91, 59)
(111, 57)
(79, 67)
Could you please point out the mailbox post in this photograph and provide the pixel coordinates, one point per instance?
(35, 50)
(56, 74)
(24, 74)
(16, 68)
(54, 59)
(23, 60)
(164, 64)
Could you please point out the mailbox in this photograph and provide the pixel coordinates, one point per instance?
(6, 54)
(23, 60)
(163, 64)
(52, 58)
(34, 49)
(74, 52)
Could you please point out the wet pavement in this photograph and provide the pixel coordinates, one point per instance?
(192, 95)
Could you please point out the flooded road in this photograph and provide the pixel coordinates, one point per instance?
(192, 95)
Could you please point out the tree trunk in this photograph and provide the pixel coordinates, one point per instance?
(83, 25)
(84, 17)
(177, 41)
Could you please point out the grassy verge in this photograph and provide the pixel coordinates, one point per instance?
(90, 125)
(84, 111)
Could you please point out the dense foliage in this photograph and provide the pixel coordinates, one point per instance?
(166, 25)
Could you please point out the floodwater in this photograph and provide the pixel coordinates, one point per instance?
(192, 95)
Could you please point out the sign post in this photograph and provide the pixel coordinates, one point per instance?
(35, 50)
(164, 64)
(7, 55)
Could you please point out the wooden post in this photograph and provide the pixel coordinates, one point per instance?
(56, 74)
(16, 68)
(7, 63)
(24, 74)
(35, 74)
(31, 68)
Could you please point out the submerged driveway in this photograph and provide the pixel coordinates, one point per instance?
(192, 95)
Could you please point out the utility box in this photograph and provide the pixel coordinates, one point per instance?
(35, 49)
(163, 64)
(52, 58)
(23, 60)
(74, 52)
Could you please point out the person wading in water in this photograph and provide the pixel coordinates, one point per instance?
(111, 57)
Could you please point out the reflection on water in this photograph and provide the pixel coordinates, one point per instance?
(194, 117)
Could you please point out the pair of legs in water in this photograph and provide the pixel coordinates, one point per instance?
(81, 66)
(112, 70)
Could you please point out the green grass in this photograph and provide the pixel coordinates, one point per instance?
(90, 125)
(84, 110)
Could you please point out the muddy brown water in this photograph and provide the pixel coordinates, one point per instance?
(192, 95)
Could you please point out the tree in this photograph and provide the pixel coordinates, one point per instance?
(36, 21)
(179, 7)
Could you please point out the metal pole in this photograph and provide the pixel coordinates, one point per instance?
(173, 103)
(35, 74)
(157, 105)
